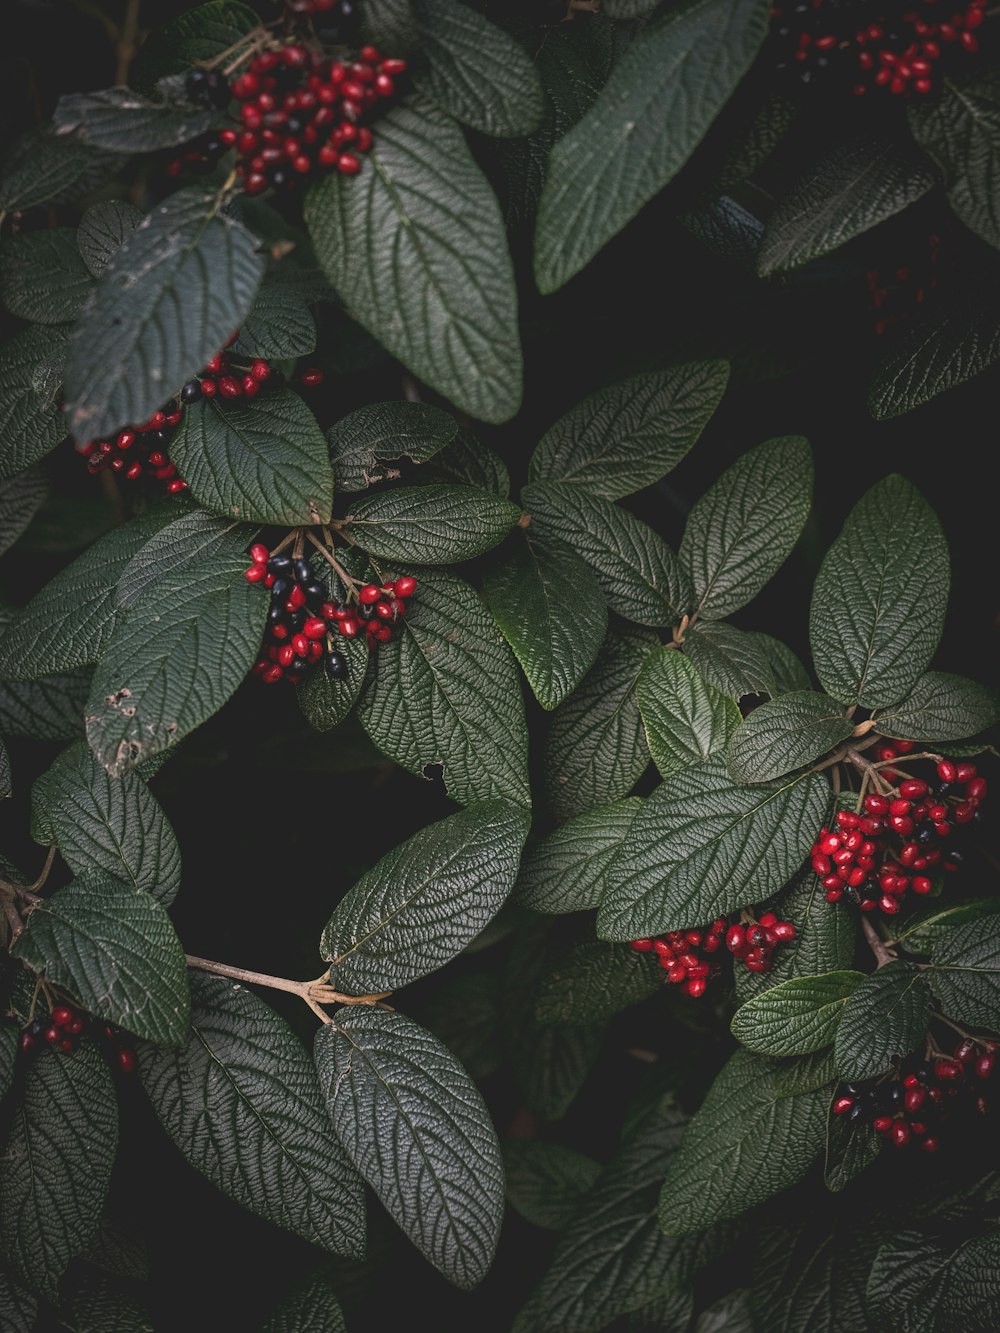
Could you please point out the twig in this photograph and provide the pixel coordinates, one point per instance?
(313, 992)
(126, 45)
(877, 945)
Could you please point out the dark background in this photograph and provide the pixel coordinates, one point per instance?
(276, 822)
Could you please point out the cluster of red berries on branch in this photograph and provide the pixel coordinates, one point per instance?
(895, 46)
(892, 844)
(909, 1108)
(303, 115)
(63, 1029)
(303, 622)
(688, 956)
(894, 294)
(143, 450)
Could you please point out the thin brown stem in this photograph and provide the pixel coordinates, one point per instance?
(127, 44)
(313, 992)
(877, 945)
(331, 559)
(955, 1027)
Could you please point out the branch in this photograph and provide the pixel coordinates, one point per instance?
(877, 945)
(314, 993)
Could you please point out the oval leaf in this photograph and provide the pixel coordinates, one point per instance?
(103, 230)
(796, 1016)
(784, 734)
(965, 973)
(565, 871)
(430, 525)
(686, 720)
(366, 444)
(42, 277)
(942, 707)
(30, 380)
(884, 1019)
(594, 981)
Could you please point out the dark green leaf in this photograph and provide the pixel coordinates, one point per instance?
(18, 1307)
(122, 121)
(961, 132)
(743, 1146)
(879, 599)
(784, 734)
(555, 636)
(20, 498)
(31, 423)
(102, 1305)
(675, 76)
(426, 900)
(279, 324)
(935, 1284)
(42, 277)
(325, 701)
(50, 168)
(476, 71)
(924, 932)
(430, 525)
(266, 460)
(368, 445)
(390, 24)
(198, 35)
(596, 748)
(182, 547)
(628, 9)
(592, 982)
(9, 1041)
(464, 1011)
(637, 572)
(464, 708)
(703, 845)
(468, 461)
(743, 528)
(416, 1127)
(129, 351)
(825, 937)
(686, 720)
(795, 1074)
(850, 1148)
(551, 1064)
(789, 673)
(565, 871)
(854, 186)
(736, 661)
(547, 1182)
(630, 434)
(942, 707)
(103, 230)
(884, 1019)
(965, 973)
(731, 1314)
(57, 1164)
(242, 1104)
(112, 947)
(49, 709)
(809, 1279)
(114, 825)
(312, 1307)
(796, 1016)
(423, 208)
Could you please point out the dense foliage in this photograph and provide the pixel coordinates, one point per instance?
(493, 684)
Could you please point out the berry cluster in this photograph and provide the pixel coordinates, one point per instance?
(62, 1030)
(910, 1107)
(687, 955)
(877, 854)
(895, 46)
(894, 294)
(302, 116)
(302, 618)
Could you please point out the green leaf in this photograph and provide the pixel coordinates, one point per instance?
(182, 548)
(551, 1064)
(49, 168)
(784, 734)
(422, 208)
(326, 702)
(857, 184)
(311, 1307)
(879, 598)
(565, 871)
(102, 1305)
(942, 351)
(885, 1018)
(735, 661)
(657, 105)
(112, 947)
(703, 845)
(636, 570)
(57, 1165)
(20, 499)
(266, 460)
(592, 982)
(743, 528)
(430, 525)
(172, 660)
(731, 1314)
(934, 1284)
(547, 1182)
(467, 460)
(796, 1016)
(923, 932)
(69, 622)
(613, 1258)
(808, 1278)
(42, 277)
(242, 1104)
(114, 825)
(628, 9)
(103, 230)
(850, 1148)
(686, 720)
(796, 1074)
(422, 903)
(941, 707)
(31, 423)
(278, 325)
(596, 748)
(630, 434)
(464, 708)
(744, 1145)
(128, 351)
(122, 121)
(965, 973)
(476, 72)
(416, 1127)
(197, 36)
(961, 132)
(390, 24)
(464, 1012)
(18, 1307)
(789, 673)
(9, 1042)
(366, 444)
(552, 613)
(50, 709)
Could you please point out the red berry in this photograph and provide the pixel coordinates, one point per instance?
(314, 628)
(62, 1015)
(913, 788)
(126, 1060)
(876, 804)
(842, 1105)
(900, 1133)
(736, 939)
(947, 771)
(642, 946)
(369, 594)
(984, 1065)
(259, 553)
(784, 931)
